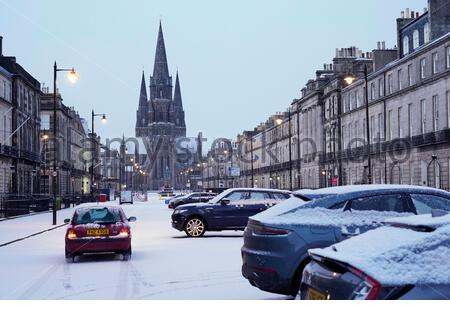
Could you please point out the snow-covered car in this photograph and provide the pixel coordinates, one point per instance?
(98, 229)
(406, 259)
(126, 197)
(195, 197)
(167, 200)
(276, 242)
(229, 210)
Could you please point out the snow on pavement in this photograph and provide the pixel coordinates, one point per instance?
(21, 227)
(165, 264)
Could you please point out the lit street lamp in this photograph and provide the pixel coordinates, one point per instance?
(280, 121)
(103, 120)
(73, 77)
(349, 79)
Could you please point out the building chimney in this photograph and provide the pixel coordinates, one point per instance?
(402, 15)
(407, 13)
(378, 45)
(383, 45)
(412, 15)
(417, 14)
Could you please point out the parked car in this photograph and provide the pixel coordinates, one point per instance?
(229, 210)
(96, 229)
(167, 200)
(406, 259)
(195, 197)
(276, 242)
(126, 197)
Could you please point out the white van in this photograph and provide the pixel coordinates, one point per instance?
(126, 197)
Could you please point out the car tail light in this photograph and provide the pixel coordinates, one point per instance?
(368, 289)
(124, 232)
(266, 231)
(71, 234)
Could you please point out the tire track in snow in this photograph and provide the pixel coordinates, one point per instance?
(122, 284)
(38, 281)
(212, 279)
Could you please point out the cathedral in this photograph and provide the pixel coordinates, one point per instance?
(160, 121)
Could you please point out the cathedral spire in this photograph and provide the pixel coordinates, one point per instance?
(160, 69)
(177, 101)
(143, 101)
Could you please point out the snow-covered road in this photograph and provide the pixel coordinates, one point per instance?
(165, 264)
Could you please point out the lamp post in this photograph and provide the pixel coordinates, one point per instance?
(93, 157)
(280, 122)
(252, 159)
(349, 80)
(73, 77)
(45, 139)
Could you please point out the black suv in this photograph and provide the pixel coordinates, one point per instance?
(229, 210)
(195, 197)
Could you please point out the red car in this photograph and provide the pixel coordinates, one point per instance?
(98, 229)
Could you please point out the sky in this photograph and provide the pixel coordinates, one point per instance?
(239, 61)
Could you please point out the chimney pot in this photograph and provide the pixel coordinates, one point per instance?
(1, 46)
(417, 14)
(402, 14)
(412, 14)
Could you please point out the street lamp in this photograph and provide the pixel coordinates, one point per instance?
(280, 121)
(349, 79)
(45, 139)
(73, 77)
(103, 120)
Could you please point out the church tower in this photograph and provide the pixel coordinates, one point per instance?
(160, 120)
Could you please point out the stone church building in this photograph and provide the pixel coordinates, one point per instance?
(160, 121)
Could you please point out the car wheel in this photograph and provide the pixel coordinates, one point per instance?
(195, 227)
(69, 257)
(126, 255)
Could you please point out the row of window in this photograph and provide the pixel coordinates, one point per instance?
(378, 89)
(401, 122)
(416, 43)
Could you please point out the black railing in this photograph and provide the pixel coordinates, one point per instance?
(12, 205)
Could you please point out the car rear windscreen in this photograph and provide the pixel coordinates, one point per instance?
(97, 215)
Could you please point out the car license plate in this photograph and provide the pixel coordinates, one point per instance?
(98, 232)
(315, 295)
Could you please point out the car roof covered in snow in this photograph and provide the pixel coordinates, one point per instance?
(257, 189)
(333, 196)
(362, 188)
(97, 205)
(399, 255)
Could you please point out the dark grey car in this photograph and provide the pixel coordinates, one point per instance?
(275, 249)
(407, 259)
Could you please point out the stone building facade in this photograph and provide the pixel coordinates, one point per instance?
(73, 148)
(25, 124)
(160, 121)
(5, 130)
(409, 116)
(409, 112)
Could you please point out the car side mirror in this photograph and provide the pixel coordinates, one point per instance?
(132, 219)
(225, 202)
(66, 220)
